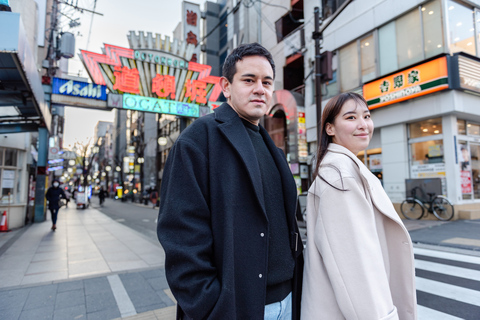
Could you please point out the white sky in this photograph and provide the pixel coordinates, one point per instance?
(119, 17)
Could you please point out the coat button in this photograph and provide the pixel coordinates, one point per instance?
(262, 235)
(260, 275)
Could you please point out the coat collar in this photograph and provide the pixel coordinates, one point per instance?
(379, 197)
(234, 130)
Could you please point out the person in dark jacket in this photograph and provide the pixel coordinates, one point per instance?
(54, 194)
(227, 206)
(102, 194)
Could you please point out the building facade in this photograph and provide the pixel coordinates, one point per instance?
(417, 64)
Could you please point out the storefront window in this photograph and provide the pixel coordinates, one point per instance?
(427, 159)
(461, 28)
(432, 28)
(349, 77)
(465, 170)
(8, 174)
(473, 129)
(426, 128)
(475, 164)
(477, 19)
(367, 55)
(461, 127)
(409, 44)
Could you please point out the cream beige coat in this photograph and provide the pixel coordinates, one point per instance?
(359, 256)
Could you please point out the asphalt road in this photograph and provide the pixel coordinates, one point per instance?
(136, 216)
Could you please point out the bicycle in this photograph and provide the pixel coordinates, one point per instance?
(414, 209)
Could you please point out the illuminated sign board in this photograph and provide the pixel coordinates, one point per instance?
(414, 82)
(148, 104)
(79, 89)
(468, 71)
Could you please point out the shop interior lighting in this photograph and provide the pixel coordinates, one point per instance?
(425, 130)
(436, 131)
(431, 12)
(423, 9)
(439, 46)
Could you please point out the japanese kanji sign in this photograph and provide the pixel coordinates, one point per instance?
(420, 80)
(191, 26)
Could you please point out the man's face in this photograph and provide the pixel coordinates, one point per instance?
(251, 90)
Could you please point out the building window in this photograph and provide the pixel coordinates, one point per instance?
(367, 56)
(426, 128)
(409, 39)
(387, 48)
(461, 127)
(8, 175)
(473, 129)
(427, 152)
(477, 19)
(461, 28)
(432, 28)
(349, 69)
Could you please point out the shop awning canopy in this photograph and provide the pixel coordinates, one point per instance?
(22, 101)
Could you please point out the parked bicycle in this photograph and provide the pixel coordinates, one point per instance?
(414, 209)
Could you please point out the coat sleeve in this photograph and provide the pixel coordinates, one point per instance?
(184, 230)
(346, 237)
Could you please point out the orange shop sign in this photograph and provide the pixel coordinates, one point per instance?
(414, 82)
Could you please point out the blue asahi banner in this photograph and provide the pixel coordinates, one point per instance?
(79, 89)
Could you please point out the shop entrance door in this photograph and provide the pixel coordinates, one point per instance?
(475, 165)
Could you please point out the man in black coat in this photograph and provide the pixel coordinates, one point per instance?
(54, 193)
(227, 211)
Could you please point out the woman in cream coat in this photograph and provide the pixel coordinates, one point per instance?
(359, 256)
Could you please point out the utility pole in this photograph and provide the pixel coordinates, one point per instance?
(317, 35)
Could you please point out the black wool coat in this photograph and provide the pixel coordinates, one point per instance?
(212, 221)
(53, 196)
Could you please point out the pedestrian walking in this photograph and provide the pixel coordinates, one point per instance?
(4, 6)
(154, 197)
(101, 195)
(68, 195)
(359, 257)
(227, 209)
(53, 196)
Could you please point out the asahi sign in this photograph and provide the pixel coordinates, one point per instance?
(79, 89)
(417, 81)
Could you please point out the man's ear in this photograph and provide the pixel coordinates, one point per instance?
(225, 84)
(330, 129)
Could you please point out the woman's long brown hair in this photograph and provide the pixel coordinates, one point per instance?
(331, 111)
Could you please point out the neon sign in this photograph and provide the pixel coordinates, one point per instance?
(148, 104)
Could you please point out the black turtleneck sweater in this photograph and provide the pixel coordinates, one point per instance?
(280, 259)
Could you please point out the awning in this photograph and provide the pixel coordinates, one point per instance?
(22, 101)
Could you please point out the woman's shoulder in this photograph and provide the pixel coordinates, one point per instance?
(338, 163)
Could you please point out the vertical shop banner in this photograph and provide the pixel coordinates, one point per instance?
(191, 27)
(466, 182)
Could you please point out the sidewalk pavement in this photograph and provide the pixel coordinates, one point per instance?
(93, 267)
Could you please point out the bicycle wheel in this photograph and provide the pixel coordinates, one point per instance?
(412, 209)
(442, 208)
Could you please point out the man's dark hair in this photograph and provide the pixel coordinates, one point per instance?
(245, 50)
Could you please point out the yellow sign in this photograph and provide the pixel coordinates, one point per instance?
(414, 82)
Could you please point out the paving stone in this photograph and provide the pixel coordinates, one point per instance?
(44, 313)
(40, 297)
(158, 284)
(151, 307)
(70, 299)
(14, 298)
(71, 285)
(155, 273)
(96, 285)
(144, 297)
(11, 312)
(133, 281)
(76, 313)
(165, 298)
(100, 301)
(104, 314)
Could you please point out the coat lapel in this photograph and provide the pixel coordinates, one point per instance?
(374, 187)
(235, 132)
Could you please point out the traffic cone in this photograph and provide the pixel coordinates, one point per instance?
(4, 224)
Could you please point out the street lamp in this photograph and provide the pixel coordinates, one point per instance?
(108, 168)
(118, 169)
(141, 160)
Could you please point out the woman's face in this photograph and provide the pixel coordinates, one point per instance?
(353, 127)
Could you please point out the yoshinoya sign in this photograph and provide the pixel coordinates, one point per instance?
(79, 89)
(417, 81)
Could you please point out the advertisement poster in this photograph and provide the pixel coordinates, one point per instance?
(466, 182)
